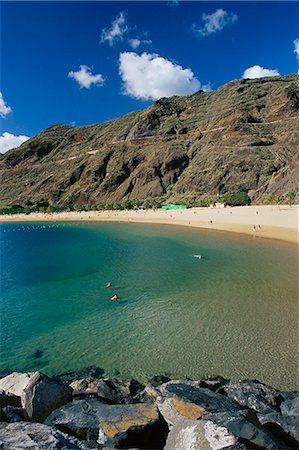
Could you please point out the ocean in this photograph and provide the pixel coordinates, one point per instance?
(234, 312)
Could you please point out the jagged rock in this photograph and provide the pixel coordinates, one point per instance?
(15, 383)
(79, 418)
(138, 425)
(240, 137)
(246, 426)
(35, 436)
(200, 435)
(149, 393)
(289, 424)
(123, 425)
(103, 389)
(290, 406)
(128, 391)
(257, 396)
(187, 399)
(39, 394)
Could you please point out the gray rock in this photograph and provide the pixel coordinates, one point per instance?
(289, 424)
(129, 425)
(254, 395)
(43, 395)
(186, 399)
(209, 401)
(200, 435)
(246, 426)
(128, 391)
(137, 425)
(35, 436)
(39, 394)
(79, 418)
(103, 389)
(15, 383)
(290, 407)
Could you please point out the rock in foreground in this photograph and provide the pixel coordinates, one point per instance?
(35, 436)
(39, 394)
(175, 415)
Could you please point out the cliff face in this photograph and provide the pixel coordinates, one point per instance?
(244, 136)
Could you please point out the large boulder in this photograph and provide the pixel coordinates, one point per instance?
(131, 425)
(187, 399)
(15, 383)
(79, 418)
(137, 425)
(246, 426)
(39, 394)
(290, 405)
(111, 391)
(103, 389)
(277, 422)
(200, 435)
(128, 391)
(254, 395)
(35, 436)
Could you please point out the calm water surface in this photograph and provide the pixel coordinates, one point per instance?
(232, 313)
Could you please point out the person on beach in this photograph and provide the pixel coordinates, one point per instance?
(108, 285)
(114, 298)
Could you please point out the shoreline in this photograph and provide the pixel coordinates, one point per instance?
(270, 222)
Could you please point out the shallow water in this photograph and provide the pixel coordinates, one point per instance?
(232, 313)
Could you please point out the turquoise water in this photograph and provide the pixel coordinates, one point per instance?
(232, 313)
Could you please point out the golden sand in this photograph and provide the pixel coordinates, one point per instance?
(274, 222)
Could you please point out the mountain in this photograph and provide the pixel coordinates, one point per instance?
(242, 137)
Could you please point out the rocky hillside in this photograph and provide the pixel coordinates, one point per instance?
(242, 137)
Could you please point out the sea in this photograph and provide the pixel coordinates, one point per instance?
(234, 312)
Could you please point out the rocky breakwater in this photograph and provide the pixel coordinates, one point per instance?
(38, 412)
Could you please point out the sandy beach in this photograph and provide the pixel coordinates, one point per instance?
(273, 222)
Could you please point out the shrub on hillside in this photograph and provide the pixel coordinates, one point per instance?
(236, 199)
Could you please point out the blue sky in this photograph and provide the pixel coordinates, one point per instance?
(87, 62)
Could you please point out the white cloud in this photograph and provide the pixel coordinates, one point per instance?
(215, 22)
(259, 72)
(149, 76)
(296, 47)
(85, 78)
(118, 28)
(134, 43)
(8, 141)
(4, 109)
